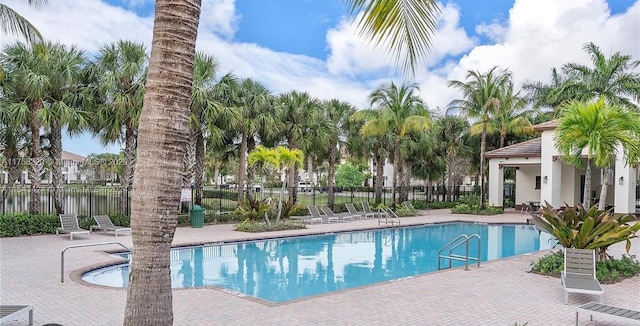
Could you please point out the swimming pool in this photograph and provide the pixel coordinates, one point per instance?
(280, 270)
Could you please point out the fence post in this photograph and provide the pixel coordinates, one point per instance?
(4, 193)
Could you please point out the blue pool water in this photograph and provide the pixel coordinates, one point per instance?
(280, 270)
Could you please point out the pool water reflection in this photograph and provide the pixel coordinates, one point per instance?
(286, 269)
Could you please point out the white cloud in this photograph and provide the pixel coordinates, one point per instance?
(219, 16)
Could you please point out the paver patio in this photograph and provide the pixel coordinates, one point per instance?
(499, 293)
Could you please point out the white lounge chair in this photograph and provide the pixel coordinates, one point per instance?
(368, 212)
(354, 212)
(338, 217)
(309, 219)
(9, 313)
(579, 275)
(315, 213)
(621, 314)
(69, 224)
(105, 224)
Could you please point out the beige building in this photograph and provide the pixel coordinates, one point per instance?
(541, 176)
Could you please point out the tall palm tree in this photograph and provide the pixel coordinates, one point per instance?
(13, 141)
(288, 159)
(13, 23)
(398, 111)
(599, 128)
(450, 135)
(480, 95)
(430, 162)
(67, 94)
(613, 79)
(202, 106)
(27, 81)
(510, 118)
(162, 135)
(121, 68)
(337, 114)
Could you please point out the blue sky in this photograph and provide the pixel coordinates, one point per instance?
(310, 45)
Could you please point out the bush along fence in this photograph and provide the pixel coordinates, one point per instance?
(90, 200)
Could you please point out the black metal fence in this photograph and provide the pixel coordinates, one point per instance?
(91, 200)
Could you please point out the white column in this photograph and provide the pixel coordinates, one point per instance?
(550, 172)
(496, 182)
(624, 184)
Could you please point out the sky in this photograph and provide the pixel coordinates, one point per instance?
(312, 45)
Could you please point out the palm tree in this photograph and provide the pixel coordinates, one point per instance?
(27, 81)
(67, 93)
(510, 118)
(288, 159)
(450, 135)
(262, 159)
(13, 23)
(163, 133)
(403, 26)
(202, 107)
(481, 95)
(13, 140)
(399, 111)
(430, 162)
(610, 78)
(121, 69)
(337, 114)
(599, 128)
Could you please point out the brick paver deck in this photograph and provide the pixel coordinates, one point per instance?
(499, 293)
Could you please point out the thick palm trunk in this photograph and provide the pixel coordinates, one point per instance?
(242, 165)
(449, 177)
(127, 169)
(198, 168)
(251, 145)
(483, 146)
(379, 177)
(587, 186)
(331, 175)
(12, 157)
(163, 134)
(37, 161)
(310, 169)
(406, 180)
(56, 167)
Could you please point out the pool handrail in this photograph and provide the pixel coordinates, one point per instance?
(84, 245)
(456, 243)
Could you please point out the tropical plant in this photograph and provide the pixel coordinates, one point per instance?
(398, 111)
(601, 130)
(336, 115)
(13, 23)
(349, 176)
(450, 137)
(577, 227)
(288, 159)
(480, 96)
(121, 70)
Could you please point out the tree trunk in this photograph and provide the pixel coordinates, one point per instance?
(449, 176)
(37, 161)
(397, 169)
(251, 145)
(406, 180)
(310, 170)
(127, 169)
(483, 146)
(163, 134)
(331, 175)
(55, 142)
(379, 177)
(198, 168)
(602, 204)
(14, 166)
(587, 186)
(242, 166)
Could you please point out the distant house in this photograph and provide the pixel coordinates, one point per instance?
(71, 172)
(541, 175)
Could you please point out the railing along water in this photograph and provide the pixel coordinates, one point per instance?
(84, 245)
(462, 239)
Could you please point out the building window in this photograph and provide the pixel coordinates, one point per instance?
(538, 179)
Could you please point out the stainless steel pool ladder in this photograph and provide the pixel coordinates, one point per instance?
(84, 245)
(462, 239)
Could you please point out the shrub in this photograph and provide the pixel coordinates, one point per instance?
(576, 227)
(607, 271)
(403, 211)
(252, 226)
(418, 204)
(441, 204)
(476, 210)
(15, 225)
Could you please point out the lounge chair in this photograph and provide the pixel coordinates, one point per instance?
(69, 224)
(388, 216)
(333, 216)
(579, 275)
(309, 219)
(367, 210)
(354, 212)
(105, 224)
(408, 205)
(621, 314)
(315, 213)
(9, 313)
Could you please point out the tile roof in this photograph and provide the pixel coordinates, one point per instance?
(72, 157)
(529, 148)
(549, 125)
